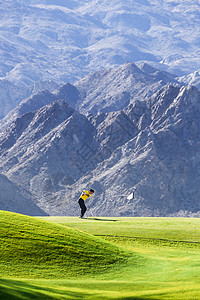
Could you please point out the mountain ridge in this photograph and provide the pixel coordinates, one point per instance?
(150, 145)
(44, 41)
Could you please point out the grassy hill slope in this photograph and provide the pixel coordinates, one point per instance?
(135, 258)
(33, 248)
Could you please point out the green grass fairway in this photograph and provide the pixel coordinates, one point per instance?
(99, 258)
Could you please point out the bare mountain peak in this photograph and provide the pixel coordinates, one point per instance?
(29, 104)
(168, 92)
(130, 68)
(114, 89)
(67, 92)
(11, 134)
(147, 68)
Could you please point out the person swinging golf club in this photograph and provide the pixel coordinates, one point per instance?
(85, 194)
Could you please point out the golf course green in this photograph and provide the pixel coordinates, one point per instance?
(99, 258)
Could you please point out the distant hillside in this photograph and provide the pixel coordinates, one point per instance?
(48, 41)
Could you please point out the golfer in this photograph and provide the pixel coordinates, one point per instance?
(85, 194)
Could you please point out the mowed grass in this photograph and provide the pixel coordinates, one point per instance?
(33, 248)
(99, 258)
(177, 229)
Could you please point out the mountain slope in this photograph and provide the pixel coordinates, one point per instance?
(53, 41)
(29, 104)
(49, 152)
(12, 94)
(191, 79)
(152, 145)
(42, 40)
(113, 89)
(13, 198)
(160, 162)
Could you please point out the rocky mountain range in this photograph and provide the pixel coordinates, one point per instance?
(46, 41)
(140, 131)
(103, 91)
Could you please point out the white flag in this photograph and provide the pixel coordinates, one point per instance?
(131, 196)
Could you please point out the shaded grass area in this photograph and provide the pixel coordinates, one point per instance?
(24, 289)
(18, 289)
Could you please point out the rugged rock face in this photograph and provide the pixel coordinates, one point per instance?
(152, 145)
(12, 198)
(103, 91)
(114, 89)
(28, 105)
(161, 162)
(42, 150)
(191, 79)
(12, 94)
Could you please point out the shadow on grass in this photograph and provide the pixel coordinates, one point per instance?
(11, 289)
(105, 220)
(137, 298)
(15, 289)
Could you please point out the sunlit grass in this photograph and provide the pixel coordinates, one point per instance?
(99, 258)
(31, 247)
